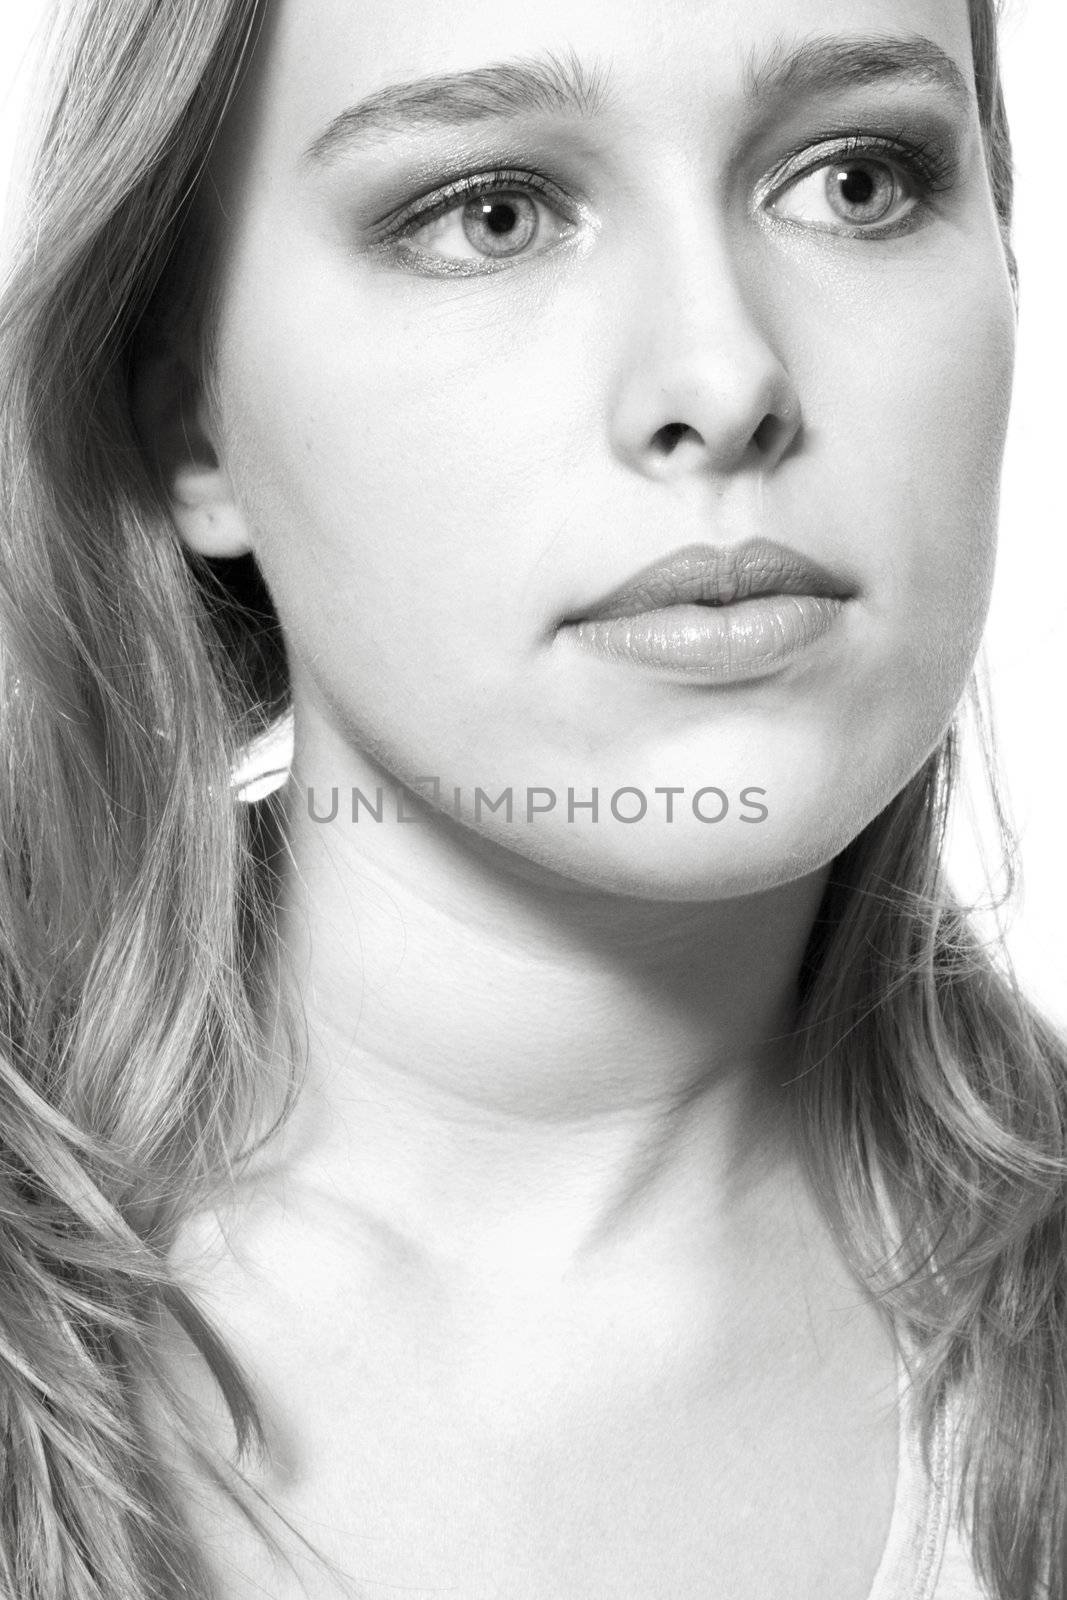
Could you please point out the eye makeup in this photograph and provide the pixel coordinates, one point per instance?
(913, 158)
(919, 168)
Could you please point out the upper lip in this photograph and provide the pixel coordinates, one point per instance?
(711, 574)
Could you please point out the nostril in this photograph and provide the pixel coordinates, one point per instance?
(768, 436)
(670, 434)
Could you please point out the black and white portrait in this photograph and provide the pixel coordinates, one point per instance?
(533, 985)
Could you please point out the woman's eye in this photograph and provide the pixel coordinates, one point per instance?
(853, 195)
(490, 225)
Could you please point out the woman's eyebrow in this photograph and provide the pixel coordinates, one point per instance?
(563, 85)
(543, 83)
(820, 65)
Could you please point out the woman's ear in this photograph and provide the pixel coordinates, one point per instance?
(171, 415)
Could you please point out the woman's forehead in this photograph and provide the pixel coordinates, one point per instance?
(320, 60)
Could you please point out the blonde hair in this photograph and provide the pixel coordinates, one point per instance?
(136, 906)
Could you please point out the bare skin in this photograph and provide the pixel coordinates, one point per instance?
(626, 1427)
(536, 1297)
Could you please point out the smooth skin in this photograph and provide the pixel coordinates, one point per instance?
(538, 1297)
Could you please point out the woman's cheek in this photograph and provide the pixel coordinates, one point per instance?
(958, 413)
(920, 412)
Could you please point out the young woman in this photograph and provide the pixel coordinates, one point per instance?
(567, 1140)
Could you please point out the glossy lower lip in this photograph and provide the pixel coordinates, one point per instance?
(722, 644)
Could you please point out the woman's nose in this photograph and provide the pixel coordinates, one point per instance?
(700, 386)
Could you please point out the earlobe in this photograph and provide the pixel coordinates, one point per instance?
(205, 513)
(173, 423)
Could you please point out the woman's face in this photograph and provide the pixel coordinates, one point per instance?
(750, 285)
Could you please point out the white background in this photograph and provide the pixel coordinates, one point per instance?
(1026, 640)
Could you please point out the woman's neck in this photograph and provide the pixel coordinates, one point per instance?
(514, 1073)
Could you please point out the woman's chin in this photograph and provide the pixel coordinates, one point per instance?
(685, 861)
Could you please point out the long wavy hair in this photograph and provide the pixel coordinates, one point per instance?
(137, 895)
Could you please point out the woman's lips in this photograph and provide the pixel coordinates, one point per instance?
(722, 612)
(719, 643)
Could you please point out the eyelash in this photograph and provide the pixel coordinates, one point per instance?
(463, 190)
(928, 167)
